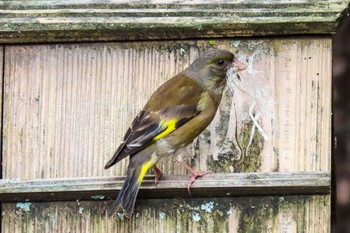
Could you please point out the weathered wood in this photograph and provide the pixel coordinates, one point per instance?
(274, 214)
(1, 100)
(212, 185)
(57, 21)
(67, 106)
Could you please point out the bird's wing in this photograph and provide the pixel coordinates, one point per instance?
(149, 127)
(170, 107)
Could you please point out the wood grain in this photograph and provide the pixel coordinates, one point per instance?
(290, 87)
(304, 95)
(237, 215)
(1, 99)
(212, 185)
(71, 20)
(67, 106)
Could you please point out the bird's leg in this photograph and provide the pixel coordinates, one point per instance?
(194, 173)
(157, 174)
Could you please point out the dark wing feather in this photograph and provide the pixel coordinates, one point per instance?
(146, 126)
(138, 136)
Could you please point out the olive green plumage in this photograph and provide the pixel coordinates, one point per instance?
(176, 113)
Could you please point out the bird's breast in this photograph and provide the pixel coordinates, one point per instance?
(185, 134)
(206, 103)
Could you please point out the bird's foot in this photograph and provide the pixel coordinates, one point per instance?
(157, 174)
(194, 176)
(194, 173)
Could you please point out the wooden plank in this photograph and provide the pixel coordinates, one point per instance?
(1, 111)
(273, 214)
(1, 100)
(289, 93)
(212, 185)
(71, 20)
(67, 106)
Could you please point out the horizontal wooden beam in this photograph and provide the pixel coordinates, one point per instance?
(72, 20)
(212, 185)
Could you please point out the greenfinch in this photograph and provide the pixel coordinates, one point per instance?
(176, 113)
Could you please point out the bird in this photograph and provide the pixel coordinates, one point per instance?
(176, 113)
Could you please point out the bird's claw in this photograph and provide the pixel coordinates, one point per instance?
(194, 176)
(157, 175)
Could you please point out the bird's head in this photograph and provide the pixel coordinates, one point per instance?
(210, 69)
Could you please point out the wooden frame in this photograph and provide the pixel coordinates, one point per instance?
(38, 60)
(212, 185)
(50, 21)
(87, 21)
(67, 21)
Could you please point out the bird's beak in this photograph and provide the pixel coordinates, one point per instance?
(238, 65)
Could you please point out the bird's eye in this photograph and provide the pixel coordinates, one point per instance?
(220, 62)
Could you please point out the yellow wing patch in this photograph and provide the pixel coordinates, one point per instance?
(169, 125)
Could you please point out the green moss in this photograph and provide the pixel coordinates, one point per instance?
(255, 44)
(222, 164)
(250, 160)
(206, 136)
(256, 213)
(186, 215)
(243, 158)
(277, 168)
(252, 214)
(235, 43)
(199, 27)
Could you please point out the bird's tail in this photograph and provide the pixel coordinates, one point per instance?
(127, 196)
